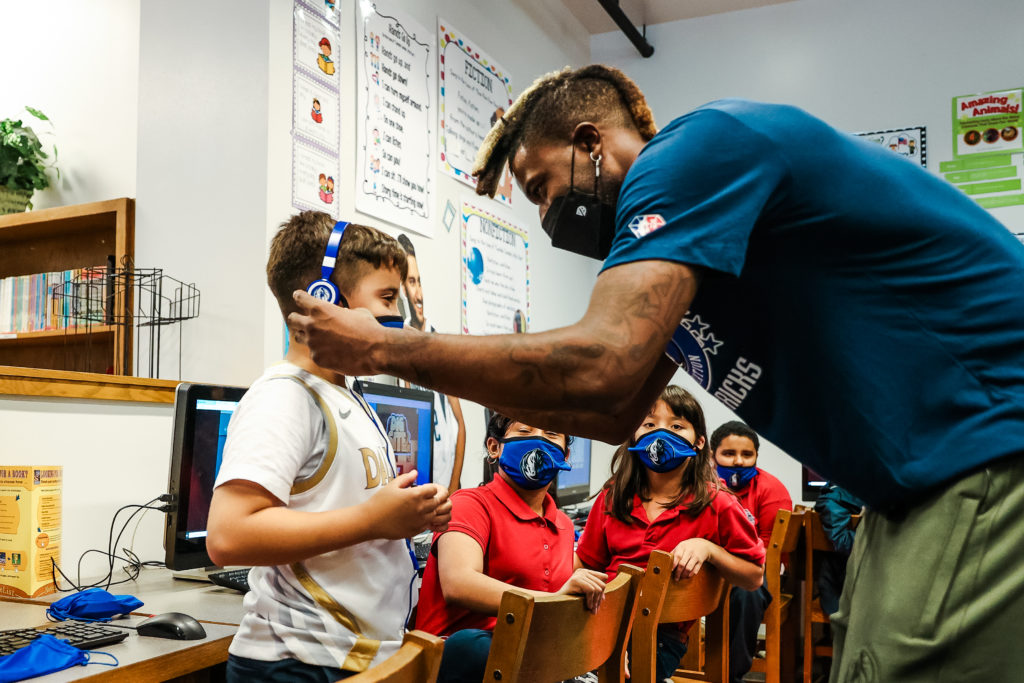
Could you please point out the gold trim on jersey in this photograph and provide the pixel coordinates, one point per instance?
(364, 649)
(303, 485)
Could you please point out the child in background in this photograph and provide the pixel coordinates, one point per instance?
(735, 446)
(835, 506)
(307, 491)
(506, 533)
(664, 495)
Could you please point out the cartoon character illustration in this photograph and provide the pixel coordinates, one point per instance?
(375, 78)
(519, 322)
(329, 4)
(374, 61)
(317, 116)
(374, 164)
(376, 136)
(326, 189)
(398, 433)
(323, 60)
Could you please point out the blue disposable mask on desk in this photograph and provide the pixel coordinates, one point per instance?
(45, 655)
(93, 604)
(662, 450)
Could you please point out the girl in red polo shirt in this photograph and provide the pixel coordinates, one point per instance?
(664, 495)
(507, 533)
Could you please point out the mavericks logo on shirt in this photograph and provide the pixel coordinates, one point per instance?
(695, 345)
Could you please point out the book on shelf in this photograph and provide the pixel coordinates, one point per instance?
(55, 301)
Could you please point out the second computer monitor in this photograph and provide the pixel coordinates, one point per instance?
(573, 487)
(408, 419)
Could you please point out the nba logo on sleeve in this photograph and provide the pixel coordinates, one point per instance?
(645, 224)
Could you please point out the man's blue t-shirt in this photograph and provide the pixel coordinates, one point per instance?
(859, 312)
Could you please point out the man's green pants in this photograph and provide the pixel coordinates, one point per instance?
(936, 594)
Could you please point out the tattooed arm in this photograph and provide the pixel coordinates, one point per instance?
(597, 374)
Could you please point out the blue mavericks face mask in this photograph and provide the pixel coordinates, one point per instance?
(737, 477)
(94, 604)
(391, 321)
(663, 450)
(532, 462)
(44, 655)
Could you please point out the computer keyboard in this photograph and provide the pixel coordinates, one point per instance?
(238, 579)
(84, 636)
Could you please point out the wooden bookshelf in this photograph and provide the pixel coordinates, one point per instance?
(64, 238)
(84, 385)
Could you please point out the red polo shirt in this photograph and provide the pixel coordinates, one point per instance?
(520, 548)
(607, 542)
(764, 496)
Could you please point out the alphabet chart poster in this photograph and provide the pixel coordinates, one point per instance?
(495, 274)
(474, 94)
(395, 132)
(316, 107)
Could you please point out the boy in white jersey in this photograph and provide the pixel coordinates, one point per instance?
(307, 491)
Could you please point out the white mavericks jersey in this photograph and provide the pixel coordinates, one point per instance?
(317, 446)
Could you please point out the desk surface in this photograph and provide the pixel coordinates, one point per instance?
(141, 658)
(144, 658)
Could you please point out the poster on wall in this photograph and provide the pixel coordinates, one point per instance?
(395, 131)
(316, 108)
(988, 123)
(474, 93)
(909, 143)
(992, 180)
(315, 171)
(495, 274)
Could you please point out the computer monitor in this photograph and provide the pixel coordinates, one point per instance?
(201, 416)
(573, 487)
(812, 483)
(408, 419)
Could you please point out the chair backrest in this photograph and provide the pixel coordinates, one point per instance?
(553, 638)
(785, 538)
(417, 661)
(663, 601)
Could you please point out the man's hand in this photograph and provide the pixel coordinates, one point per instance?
(689, 556)
(401, 510)
(589, 584)
(338, 338)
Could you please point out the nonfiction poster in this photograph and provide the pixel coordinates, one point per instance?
(316, 107)
(395, 131)
(495, 274)
(907, 142)
(474, 94)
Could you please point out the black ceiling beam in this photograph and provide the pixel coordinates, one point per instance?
(626, 26)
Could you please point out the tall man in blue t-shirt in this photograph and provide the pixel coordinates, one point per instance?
(856, 310)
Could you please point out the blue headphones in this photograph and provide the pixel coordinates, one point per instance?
(323, 288)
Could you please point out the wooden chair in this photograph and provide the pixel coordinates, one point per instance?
(664, 601)
(815, 541)
(552, 638)
(780, 644)
(417, 661)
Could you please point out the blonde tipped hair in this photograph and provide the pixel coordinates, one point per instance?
(552, 107)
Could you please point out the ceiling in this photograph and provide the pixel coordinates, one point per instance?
(596, 20)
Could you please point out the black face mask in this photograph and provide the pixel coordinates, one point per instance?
(580, 222)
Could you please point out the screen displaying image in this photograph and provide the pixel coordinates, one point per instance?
(408, 423)
(211, 431)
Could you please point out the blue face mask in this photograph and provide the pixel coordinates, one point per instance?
(663, 450)
(391, 321)
(44, 655)
(94, 604)
(532, 462)
(737, 477)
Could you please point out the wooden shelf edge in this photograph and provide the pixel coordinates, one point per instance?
(57, 213)
(88, 385)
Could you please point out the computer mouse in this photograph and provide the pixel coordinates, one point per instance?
(173, 625)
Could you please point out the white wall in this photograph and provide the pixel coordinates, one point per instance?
(113, 454)
(866, 65)
(78, 62)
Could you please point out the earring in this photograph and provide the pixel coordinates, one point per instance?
(597, 164)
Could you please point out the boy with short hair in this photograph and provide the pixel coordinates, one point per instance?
(307, 491)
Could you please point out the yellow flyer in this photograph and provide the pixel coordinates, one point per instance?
(30, 529)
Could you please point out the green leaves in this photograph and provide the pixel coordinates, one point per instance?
(22, 157)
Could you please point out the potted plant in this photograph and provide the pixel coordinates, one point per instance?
(23, 163)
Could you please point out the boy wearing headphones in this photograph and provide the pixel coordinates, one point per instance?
(307, 491)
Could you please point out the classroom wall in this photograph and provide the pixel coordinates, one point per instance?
(78, 62)
(869, 65)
